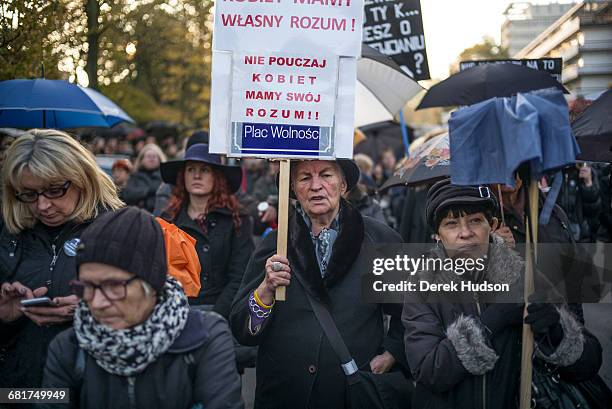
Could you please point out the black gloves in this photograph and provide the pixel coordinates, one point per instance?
(498, 316)
(544, 320)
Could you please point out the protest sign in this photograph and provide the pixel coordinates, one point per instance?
(554, 66)
(395, 28)
(284, 74)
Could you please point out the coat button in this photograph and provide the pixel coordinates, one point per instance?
(213, 224)
(312, 369)
(206, 247)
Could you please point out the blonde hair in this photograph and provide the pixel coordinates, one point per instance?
(364, 163)
(54, 157)
(149, 147)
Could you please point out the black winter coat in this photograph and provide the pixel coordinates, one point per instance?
(581, 205)
(35, 260)
(141, 189)
(458, 365)
(296, 366)
(198, 368)
(223, 252)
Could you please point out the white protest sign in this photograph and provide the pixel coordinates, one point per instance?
(327, 26)
(284, 74)
(280, 88)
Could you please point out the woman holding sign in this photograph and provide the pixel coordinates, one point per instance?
(296, 366)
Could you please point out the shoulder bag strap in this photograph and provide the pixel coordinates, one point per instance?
(349, 367)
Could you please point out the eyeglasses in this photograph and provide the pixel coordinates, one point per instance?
(54, 192)
(114, 290)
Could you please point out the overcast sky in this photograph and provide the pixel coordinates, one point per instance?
(454, 25)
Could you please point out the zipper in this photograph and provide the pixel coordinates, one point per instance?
(55, 256)
(131, 393)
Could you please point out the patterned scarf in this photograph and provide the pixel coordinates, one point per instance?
(127, 352)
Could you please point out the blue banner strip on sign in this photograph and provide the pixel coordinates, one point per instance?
(293, 138)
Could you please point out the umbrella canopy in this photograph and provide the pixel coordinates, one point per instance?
(41, 103)
(383, 88)
(593, 130)
(491, 139)
(482, 82)
(430, 161)
(380, 136)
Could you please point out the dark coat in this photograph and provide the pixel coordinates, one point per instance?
(581, 204)
(28, 258)
(223, 252)
(198, 368)
(457, 365)
(561, 261)
(141, 189)
(296, 366)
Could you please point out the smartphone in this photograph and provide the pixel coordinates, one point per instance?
(38, 302)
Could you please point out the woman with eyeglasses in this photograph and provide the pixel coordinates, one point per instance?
(52, 189)
(135, 341)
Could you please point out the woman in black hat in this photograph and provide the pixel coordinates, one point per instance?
(464, 347)
(203, 204)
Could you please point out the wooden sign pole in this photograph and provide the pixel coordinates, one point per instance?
(283, 217)
(527, 344)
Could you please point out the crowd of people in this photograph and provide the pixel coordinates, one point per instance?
(119, 330)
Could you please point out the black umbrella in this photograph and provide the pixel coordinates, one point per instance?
(380, 136)
(593, 130)
(482, 82)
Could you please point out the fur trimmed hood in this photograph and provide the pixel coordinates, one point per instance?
(345, 251)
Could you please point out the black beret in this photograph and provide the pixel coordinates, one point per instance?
(442, 195)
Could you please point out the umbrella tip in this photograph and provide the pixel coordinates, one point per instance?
(42, 70)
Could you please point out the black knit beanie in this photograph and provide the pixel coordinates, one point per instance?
(443, 195)
(130, 239)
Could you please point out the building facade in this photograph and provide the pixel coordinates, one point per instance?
(525, 21)
(582, 37)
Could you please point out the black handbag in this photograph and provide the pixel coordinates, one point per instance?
(365, 390)
(551, 391)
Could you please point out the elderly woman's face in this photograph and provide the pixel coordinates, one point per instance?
(132, 309)
(51, 212)
(318, 186)
(465, 235)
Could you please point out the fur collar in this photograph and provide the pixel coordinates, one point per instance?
(346, 248)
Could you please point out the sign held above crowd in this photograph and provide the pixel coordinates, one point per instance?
(395, 28)
(554, 66)
(284, 74)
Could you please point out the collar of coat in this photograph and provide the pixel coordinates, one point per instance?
(504, 265)
(345, 251)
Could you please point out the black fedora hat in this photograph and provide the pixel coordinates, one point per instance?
(349, 168)
(199, 153)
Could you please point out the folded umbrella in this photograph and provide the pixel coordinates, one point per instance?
(593, 130)
(483, 82)
(489, 140)
(41, 103)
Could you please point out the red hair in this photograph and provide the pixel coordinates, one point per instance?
(220, 197)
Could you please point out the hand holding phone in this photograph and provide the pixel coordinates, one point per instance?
(38, 302)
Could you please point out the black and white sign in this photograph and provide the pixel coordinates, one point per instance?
(553, 66)
(395, 28)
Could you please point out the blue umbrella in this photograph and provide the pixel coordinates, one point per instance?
(41, 103)
(489, 140)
